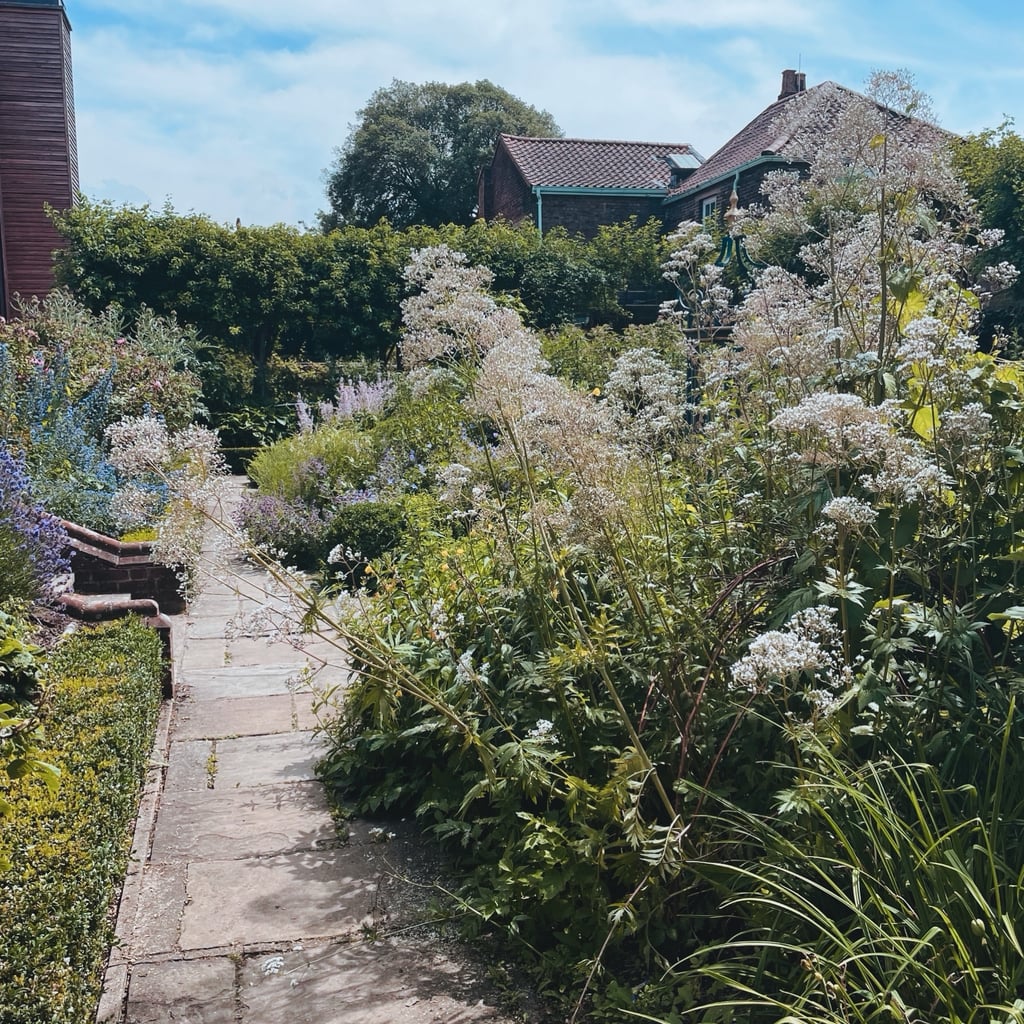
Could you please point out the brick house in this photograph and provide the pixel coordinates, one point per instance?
(767, 144)
(580, 184)
(38, 152)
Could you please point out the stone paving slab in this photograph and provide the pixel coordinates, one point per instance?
(211, 609)
(307, 895)
(205, 654)
(157, 919)
(213, 684)
(267, 760)
(192, 992)
(248, 822)
(362, 983)
(217, 653)
(243, 716)
(245, 762)
(189, 766)
(260, 651)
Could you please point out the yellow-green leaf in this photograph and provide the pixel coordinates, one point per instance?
(925, 422)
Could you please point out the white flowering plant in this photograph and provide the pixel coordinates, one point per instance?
(703, 580)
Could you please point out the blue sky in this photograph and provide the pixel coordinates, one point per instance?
(233, 108)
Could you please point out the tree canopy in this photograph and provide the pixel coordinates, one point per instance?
(414, 154)
(992, 164)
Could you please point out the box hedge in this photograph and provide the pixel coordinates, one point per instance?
(68, 848)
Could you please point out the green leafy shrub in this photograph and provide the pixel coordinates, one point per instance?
(150, 359)
(677, 585)
(67, 846)
(315, 465)
(21, 699)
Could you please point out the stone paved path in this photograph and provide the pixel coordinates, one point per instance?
(243, 905)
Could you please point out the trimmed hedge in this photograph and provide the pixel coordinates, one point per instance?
(69, 848)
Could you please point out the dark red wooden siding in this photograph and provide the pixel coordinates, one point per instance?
(38, 157)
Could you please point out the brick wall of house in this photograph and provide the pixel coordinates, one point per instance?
(503, 192)
(584, 214)
(748, 192)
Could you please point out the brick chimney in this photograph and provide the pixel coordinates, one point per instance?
(792, 83)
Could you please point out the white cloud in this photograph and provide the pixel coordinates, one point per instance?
(741, 15)
(233, 107)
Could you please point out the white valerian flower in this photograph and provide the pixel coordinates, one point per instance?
(138, 445)
(647, 397)
(454, 479)
(851, 514)
(543, 732)
(808, 645)
(928, 344)
(907, 473)
(133, 507)
(451, 316)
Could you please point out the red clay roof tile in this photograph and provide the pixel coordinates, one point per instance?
(594, 163)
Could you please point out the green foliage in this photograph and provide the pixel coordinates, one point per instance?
(67, 846)
(691, 583)
(21, 699)
(254, 292)
(316, 465)
(414, 154)
(19, 669)
(881, 890)
(992, 165)
(587, 357)
(146, 361)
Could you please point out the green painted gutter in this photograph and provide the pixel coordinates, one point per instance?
(772, 158)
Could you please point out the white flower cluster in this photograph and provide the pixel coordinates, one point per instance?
(133, 507)
(809, 644)
(780, 332)
(452, 316)
(841, 423)
(851, 514)
(543, 732)
(139, 445)
(907, 473)
(928, 344)
(544, 421)
(703, 301)
(454, 479)
(966, 428)
(647, 397)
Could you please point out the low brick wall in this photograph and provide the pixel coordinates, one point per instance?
(104, 565)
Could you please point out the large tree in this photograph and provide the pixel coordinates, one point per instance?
(414, 154)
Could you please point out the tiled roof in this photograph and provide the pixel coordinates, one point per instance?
(765, 136)
(590, 163)
(746, 145)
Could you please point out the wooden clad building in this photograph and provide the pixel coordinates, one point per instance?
(38, 152)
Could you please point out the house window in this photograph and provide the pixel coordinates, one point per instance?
(708, 208)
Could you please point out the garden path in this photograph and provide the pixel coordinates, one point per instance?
(243, 903)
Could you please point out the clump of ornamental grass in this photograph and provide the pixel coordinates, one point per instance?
(910, 908)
